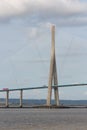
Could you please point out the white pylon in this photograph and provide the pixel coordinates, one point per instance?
(53, 73)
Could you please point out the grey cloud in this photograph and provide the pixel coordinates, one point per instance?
(46, 10)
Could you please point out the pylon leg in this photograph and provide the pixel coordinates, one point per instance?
(56, 94)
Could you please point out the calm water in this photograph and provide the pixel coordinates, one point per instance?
(42, 101)
(43, 119)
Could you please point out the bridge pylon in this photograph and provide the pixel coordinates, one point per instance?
(53, 81)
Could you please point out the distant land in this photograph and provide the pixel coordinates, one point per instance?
(30, 102)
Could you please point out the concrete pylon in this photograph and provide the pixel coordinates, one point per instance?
(7, 98)
(21, 96)
(53, 73)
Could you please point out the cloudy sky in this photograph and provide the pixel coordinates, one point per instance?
(25, 41)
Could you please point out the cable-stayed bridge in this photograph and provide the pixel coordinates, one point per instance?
(52, 81)
(21, 90)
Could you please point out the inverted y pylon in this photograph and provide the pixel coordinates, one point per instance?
(53, 73)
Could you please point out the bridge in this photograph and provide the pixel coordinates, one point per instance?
(52, 82)
(21, 90)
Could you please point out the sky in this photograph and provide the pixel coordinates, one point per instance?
(25, 44)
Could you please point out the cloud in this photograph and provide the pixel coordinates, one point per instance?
(33, 33)
(71, 21)
(43, 10)
(36, 32)
(49, 7)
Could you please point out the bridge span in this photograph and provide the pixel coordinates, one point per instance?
(21, 90)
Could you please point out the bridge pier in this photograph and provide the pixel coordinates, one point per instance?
(7, 98)
(21, 96)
